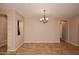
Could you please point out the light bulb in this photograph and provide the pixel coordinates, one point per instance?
(46, 18)
(41, 19)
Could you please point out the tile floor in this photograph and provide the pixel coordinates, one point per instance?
(47, 49)
(62, 48)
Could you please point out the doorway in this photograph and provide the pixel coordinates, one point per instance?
(3, 33)
(64, 30)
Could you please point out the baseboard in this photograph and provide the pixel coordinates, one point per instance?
(72, 43)
(2, 43)
(8, 50)
(15, 48)
(42, 42)
(19, 46)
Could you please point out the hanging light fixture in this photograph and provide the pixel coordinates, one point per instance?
(44, 19)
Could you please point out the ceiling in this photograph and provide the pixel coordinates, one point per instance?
(52, 9)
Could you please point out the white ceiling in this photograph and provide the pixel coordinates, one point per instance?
(52, 9)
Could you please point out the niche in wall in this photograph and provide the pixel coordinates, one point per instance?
(18, 27)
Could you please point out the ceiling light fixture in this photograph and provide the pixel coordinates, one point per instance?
(44, 19)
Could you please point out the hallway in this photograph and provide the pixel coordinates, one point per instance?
(47, 49)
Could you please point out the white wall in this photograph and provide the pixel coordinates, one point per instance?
(13, 41)
(77, 20)
(37, 32)
(73, 30)
(19, 38)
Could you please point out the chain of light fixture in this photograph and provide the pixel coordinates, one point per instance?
(44, 19)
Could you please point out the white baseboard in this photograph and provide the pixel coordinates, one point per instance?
(19, 46)
(42, 42)
(72, 43)
(2, 43)
(10, 50)
(15, 48)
